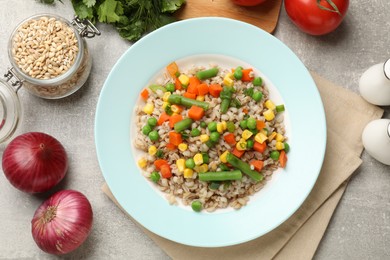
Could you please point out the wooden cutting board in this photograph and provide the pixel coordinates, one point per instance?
(265, 15)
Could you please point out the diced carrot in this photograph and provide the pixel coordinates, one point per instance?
(175, 138)
(237, 152)
(178, 85)
(145, 94)
(163, 117)
(215, 90)
(166, 171)
(230, 138)
(189, 95)
(260, 124)
(257, 164)
(172, 69)
(196, 113)
(193, 85)
(247, 75)
(170, 146)
(174, 119)
(245, 110)
(283, 159)
(203, 89)
(160, 162)
(260, 147)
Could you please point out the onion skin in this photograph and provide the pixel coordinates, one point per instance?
(62, 223)
(34, 162)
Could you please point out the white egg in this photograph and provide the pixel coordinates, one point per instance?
(374, 85)
(376, 140)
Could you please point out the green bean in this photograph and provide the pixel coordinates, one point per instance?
(206, 74)
(206, 158)
(183, 125)
(220, 176)
(159, 154)
(279, 108)
(286, 147)
(187, 102)
(225, 103)
(154, 88)
(244, 167)
(249, 144)
(214, 185)
(224, 167)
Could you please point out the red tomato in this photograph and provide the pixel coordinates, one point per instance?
(313, 19)
(248, 2)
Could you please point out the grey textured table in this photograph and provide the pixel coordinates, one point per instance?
(360, 227)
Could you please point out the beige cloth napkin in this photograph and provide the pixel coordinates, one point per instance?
(297, 238)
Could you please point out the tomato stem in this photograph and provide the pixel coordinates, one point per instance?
(330, 2)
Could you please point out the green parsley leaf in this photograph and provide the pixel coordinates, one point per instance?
(109, 11)
(89, 3)
(169, 6)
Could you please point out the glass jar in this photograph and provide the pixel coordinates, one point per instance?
(49, 57)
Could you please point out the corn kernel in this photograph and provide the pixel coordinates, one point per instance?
(176, 109)
(223, 156)
(180, 163)
(279, 146)
(219, 128)
(260, 138)
(224, 125)
(184, 79)
(152, 150)
(188, 173)
(200, 98)
(198, 159)
(269, 115)
(279, 137)
(246, 134)
(142, 163)
(241, 145)
(264, 131)
(165, 104)
(227, 81)
(166, 96)
(182, 147)
(203, 168)
(271, 136)
(148, 108)
(204, 138)
(269, 104)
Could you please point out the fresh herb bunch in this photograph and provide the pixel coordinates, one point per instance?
(132, 18)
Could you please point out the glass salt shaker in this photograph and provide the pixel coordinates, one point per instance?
(49, 57)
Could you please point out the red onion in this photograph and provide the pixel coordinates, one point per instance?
(63, 222)
(34, 162)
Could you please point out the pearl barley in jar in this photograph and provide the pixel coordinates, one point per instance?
(50, 56)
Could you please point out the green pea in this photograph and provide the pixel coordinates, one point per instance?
(286, 147)
(214, 185)
(190, 163)
(274, 155)
(152, 121)
(244, 124)
(280, 108)
(206, 158)
(249, 144)
(212, 126)
(230, 127)
(257, 81)
(146, 129)
(159, 153)
(195, 132)
(203, 124)
(251, 123)
(153, 135)
(170, 87)
(237, 74)
(196, 206)
(257, 96)
(155, 176)
(214, 136)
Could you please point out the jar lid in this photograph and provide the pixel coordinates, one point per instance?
(10, 110)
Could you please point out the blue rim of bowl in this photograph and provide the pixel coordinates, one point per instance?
(296, 87)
